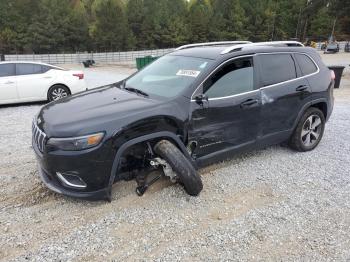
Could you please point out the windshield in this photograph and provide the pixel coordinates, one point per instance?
(168, 76)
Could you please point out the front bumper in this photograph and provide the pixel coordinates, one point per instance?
(53, 184)
(92, 166)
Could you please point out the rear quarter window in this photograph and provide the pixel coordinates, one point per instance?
(277, 68)
(307, 66)
(45, 68)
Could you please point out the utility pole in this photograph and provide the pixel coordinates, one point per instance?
(273, 27)
(332, 35)
(296, 31)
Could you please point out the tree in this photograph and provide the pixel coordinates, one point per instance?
(109, 30)
(174, 31)
(60, 25)
(199, 17)
(43, 26)
(77, 36)
(150, 36)
(228, 20)
(135, 15)
(321, 24)
(286, 19)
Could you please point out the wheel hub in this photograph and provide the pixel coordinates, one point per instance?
(311, 130)
(168, 171)
(59, 93)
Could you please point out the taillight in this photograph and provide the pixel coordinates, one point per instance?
(79, 75)
(332, 75)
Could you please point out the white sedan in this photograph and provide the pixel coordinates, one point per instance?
(30, 81)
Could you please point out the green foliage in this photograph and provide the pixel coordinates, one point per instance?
(322, 23)
(135, 14)
(174, 30)
(199, 16)
(228, 20)
(47, 26)
(109, 30)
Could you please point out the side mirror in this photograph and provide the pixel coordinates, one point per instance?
(200, 98)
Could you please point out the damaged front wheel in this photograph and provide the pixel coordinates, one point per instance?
(185, 171)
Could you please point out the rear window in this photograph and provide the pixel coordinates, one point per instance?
(307, 66)
(28, 69)
(7, 70)
(277, 68)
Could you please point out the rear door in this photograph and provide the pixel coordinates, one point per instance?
(284, 92)
(32, 82)
(8, 84)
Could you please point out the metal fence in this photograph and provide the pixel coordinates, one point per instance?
(341, 45)
(108, 57)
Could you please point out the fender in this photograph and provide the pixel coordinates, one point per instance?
(126, 145)
(305, 107)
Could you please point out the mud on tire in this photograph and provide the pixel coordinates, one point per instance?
(181, 166)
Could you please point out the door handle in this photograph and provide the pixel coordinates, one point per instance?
(301, 88)
(9, 82)
(47, 77)
(249, 103)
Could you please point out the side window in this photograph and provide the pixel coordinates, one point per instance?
(7, 70)
(277, 68)
(28, 69)
(231, 79)
(307, 66)
(45, 68)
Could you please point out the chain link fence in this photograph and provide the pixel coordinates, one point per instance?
(108, 57)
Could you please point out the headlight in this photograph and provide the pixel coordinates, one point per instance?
(76, 143)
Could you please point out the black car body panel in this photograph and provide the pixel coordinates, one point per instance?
(215, 127)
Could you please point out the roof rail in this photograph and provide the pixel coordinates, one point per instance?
(213, 44)
(272, 43)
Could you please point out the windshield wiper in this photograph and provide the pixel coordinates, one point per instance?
(135, 90)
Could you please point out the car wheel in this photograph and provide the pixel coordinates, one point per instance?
(187, 174)
(309, 131)
(57, 92)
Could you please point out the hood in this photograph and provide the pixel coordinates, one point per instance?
(104, 109)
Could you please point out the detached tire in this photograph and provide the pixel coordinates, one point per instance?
(181, 166)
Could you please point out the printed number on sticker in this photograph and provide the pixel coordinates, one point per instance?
(191, 73)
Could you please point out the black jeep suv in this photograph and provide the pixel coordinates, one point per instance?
(192, 107)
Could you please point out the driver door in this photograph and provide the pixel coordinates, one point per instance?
(8, 83)
(226, 109)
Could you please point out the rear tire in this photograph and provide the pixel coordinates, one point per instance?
(309, 131)
(181, 165)
(57, 92)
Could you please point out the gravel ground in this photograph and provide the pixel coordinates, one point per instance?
(271, 204)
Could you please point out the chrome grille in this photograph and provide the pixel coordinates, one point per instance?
(39, 137)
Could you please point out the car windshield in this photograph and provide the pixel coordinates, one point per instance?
(168, 76)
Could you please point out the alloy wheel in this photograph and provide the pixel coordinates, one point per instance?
(311, 130)
(58, 93)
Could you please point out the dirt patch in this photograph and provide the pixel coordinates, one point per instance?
(36, 194)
